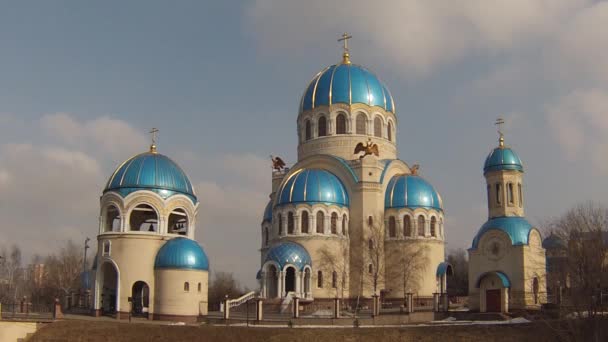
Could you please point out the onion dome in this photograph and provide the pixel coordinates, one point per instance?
(346, 83)
(313, 186)
(181, 253)
(150, 171)
(289, 253)
(268, 212)
(553, 241)
(516, 227)
(411, 191)
(502, 158)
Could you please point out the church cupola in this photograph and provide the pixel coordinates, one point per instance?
(503, 171)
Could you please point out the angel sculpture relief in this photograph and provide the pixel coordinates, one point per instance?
(368, 149)
(277, 163)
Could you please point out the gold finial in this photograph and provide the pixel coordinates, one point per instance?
(501, 140)
(345, 55)
(153, 131)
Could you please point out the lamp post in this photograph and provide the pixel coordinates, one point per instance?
(84, 262)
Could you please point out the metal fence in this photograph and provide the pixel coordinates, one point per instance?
(27, 311)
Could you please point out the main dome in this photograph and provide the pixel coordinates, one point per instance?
(313, 186)
(411, 191)
(346, 83)
(150, 171)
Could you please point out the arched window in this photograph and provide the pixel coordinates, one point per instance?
(377, 127)
(322, 127)
(290, 223)
(370, 221)
(344, 224)
(178, 222)
(370, 268)
(143, 218)
(112, 221)
(199, 287)
(106, 248)
(304, 222)
(520, 194)
(433, 228)
(334, 223)
(320, 222)
(535, 289)
(361, 124)
(308, 130)
(340, 124)
(407, 226)
(498, 193)
(320, 279)
(389, 131)
(421, 224)
(280, 224)
(334, 280)
(392, 229)
(489, 188)
(266, 236)
(186, 286)
(510, 193)
(370, 244)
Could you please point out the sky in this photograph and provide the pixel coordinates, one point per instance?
(81, 84)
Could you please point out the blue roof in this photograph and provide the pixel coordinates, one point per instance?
(444, 268)
(518, 229)
(553, 241)
(502, 158)
(289, 253)
(181, 253)
(346, 83)
(313, 186)
(268, 212)
(411, 191)
(150, 171)
(503, 278)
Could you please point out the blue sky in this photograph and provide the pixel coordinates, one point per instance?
(82, 82)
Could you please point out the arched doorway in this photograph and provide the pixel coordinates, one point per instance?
(271, 282)
(493, 292)
(140, 296)
(109, 289)
(290, 280)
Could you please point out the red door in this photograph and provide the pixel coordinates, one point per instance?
(493, 300)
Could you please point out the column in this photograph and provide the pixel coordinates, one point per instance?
(327, 224)
(299, 283)
(263, 290)
(296, 307)
(504, 299)
(297, 229)
(281, 287)
(259, 312)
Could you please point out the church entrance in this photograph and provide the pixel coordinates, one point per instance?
(271, 282)
(140, 295)
(290, 280)
(493, 300)
(109, 288)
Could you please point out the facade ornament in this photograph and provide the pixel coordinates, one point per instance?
(414, 170)
(368, 149)
(277, 163)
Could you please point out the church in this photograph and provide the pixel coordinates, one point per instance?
(350, 219)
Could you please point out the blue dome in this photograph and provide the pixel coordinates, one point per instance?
(289, 253)
(181, 253)
(268, 212)
(502, 159)
(313, 186)
(518, 229)
(411, 191)
(346, 83)
(150, 171)
(553, 241)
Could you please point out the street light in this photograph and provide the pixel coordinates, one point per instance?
(84, 263)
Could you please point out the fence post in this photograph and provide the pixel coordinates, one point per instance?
(226, 308)
(259, 313)
(435, 302)
(336, 307)
(0, 311)
(296, 307)
(409, 302)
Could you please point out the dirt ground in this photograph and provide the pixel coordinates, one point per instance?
(93, 331)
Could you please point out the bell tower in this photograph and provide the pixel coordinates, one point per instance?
(504, 171)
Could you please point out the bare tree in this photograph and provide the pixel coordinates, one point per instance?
(584, 229)
(222, 285)
(62, 271)
(409, 261)
(459, 282)
(336, 261)
(373, 252)
(11, 272)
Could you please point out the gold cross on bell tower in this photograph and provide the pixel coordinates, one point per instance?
(345, 56)
(499, 122)
(153, 131)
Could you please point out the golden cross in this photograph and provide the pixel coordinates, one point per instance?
(153, 132)
(499, 122)
(345, 38)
